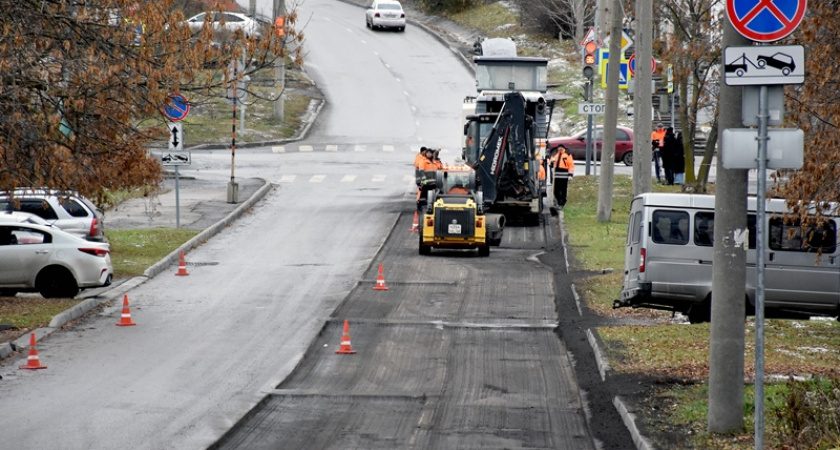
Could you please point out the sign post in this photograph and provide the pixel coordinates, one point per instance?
(762, 21)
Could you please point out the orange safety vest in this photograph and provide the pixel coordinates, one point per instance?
(658, 136)
(564, 164)
(427, 164)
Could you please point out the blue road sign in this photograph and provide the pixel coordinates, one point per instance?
(765, 20)
(178, 107)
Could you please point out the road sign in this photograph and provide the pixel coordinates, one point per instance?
(178, 107)
(624, 70)
(176, 136)
(626, 41)
(591, 108)
(765, 20)
(591, 36)
(631, 64)
(784, 148)
(764, 65)
(175, 158)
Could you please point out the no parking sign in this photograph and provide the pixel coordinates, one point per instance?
(765, 20)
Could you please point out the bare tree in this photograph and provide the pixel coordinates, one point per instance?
(564, 18)
(83, 83)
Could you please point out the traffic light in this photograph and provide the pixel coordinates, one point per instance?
(589, 59)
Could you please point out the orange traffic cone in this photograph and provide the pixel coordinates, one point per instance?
(125, 320)
(182, 266)
(380, 281)
(345, 348)
(415, 227)
(33, 362)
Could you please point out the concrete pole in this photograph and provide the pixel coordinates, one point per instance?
(642, 102)
(726, 349)
(605, 187)
(279, 66)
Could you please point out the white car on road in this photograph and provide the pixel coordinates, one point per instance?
(225, 21)
(385, 14)
(48, 260)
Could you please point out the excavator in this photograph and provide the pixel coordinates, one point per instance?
(501, 147)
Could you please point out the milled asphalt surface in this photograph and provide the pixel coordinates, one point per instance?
(203, 205)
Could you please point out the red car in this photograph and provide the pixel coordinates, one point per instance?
(576, 144)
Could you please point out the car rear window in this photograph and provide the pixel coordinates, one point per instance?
(390, 6)
(74, 208)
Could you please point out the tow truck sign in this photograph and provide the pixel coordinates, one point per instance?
(764, 65)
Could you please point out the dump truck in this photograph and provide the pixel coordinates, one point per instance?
(454, 216)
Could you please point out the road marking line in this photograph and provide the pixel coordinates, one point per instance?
(287, 178)
(332, 148)
(278, 149)
(378, 178)
(305, 148)
(348, 178)
(387, 148)
(317, 178)
(360, 148)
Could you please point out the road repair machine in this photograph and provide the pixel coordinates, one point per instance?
(454, 215)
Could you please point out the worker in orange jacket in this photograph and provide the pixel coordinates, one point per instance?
(657, 138)
(564, 168)
(427, 164)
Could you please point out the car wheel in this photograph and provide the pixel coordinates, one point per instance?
(7, 292)
(402, 29)
(627, 159)
(484, 250)
(56, 282)
(700, 312)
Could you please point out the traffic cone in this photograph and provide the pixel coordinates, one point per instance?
(345, 348)
(380, 281)
(125, 319)
(415, 227)
(182, 266)
(33, 362)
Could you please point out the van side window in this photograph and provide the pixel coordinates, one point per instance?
(704, 229)
(636, 235)
(670, 227)
(794, 236)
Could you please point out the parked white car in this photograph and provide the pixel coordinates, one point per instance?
(225, 21)
(68, 211)
(38, 258)
(385, 14)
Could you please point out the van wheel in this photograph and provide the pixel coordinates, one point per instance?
(700, 313)
(484, 250)
(7, 292)
(56, 282)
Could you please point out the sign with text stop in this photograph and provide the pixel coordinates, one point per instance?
(591, 108)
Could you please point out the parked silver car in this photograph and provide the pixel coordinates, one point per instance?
(38, 258)
(385, 14)
(68, 211)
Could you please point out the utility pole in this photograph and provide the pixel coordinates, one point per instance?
(605, 187)
(642, 102)
(280, 64)
(726, 346)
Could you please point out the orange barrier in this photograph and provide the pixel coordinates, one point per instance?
(125, 317)
(380, 281)
(345, 348)
(182, 266)
(32, 361)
